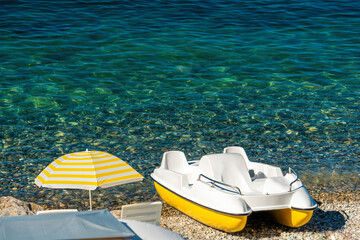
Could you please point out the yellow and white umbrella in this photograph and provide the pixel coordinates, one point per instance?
(87, 170)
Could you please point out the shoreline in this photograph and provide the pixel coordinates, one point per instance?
(338, 217)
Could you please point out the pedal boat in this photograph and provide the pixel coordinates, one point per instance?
(222, 190)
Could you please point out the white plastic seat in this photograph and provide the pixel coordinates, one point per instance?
(227, 168)
(149, 212)
(276, 185)
(175, 161)
(259, 170)
(239, 150)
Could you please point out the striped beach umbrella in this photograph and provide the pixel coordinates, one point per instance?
(87, 170)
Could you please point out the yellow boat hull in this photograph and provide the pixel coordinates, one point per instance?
(292, 217)
(210, 217)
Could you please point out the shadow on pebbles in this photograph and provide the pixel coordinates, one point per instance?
(333, 219)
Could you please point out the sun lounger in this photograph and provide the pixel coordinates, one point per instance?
(149, 212)
(99, 224)
(56, 211)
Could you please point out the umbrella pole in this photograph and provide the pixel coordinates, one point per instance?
(90, 200)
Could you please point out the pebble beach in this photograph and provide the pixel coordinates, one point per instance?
(139, 78)
(338, 217)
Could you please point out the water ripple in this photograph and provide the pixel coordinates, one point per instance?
(136, 78)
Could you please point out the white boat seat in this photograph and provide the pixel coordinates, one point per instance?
(238, 150)
(250, 165)
(276, 185)
(176, 161)
(231, 169)
(234, 149)
(227, 168)
(257, 185)
(257, 170)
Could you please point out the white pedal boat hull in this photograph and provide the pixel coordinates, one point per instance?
(219, 192)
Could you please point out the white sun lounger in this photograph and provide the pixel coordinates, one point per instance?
(149, 212)
(99, 224)
(56, 211)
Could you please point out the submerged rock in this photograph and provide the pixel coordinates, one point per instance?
(10, 206)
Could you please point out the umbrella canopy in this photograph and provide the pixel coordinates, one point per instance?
(87, 170)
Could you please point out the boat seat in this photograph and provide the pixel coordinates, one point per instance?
(241, 151)
(256, 170)
(238, 150)
(176, 161)
(276, 185)
(231, 169)
(227, 168)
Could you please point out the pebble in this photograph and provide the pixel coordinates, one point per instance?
(336, 218)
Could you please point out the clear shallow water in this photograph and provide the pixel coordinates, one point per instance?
(136, 79)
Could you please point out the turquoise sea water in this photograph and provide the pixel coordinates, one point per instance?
(137, 78)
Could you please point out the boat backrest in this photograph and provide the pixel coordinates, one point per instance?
(260, 169)
(175, 161)
(228, 168)
(238, 150)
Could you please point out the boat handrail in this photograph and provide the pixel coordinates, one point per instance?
(221, 183)
(297, 177)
